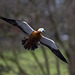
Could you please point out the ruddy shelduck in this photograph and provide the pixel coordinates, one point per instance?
(34, 37)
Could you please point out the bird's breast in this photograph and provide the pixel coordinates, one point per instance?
(35, 37)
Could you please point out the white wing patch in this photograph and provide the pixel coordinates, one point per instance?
(20, 24)
(48, 42)
(52, 46)
(24, 26)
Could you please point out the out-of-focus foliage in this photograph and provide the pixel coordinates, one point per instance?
(54, 16)
(30, 63)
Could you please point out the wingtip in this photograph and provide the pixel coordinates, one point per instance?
(65, 61)
(59, 55)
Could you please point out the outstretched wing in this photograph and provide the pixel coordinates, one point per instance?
(52, 46)
(20, 24)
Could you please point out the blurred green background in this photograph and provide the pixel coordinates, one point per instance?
(57, 17)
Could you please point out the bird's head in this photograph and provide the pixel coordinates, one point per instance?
(41, 30)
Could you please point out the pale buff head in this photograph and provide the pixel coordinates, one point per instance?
(41, 30)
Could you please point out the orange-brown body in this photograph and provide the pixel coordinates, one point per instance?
(33, 39)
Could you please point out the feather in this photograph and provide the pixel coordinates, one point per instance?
(52, 46)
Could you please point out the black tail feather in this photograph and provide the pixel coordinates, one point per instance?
(24, 41)
(34, 47)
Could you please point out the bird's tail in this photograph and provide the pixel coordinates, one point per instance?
(34, 47)
(24, 43)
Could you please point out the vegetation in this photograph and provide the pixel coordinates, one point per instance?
(24, 63)
(57, 17)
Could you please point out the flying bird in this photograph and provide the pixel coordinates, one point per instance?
(34, 37)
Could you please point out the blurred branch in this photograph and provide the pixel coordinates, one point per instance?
(4, 58)
(33, 2)
(21, 71)
(51, 17)
(71, 29)
(46, 60)
(68, 3)
(39, 64)
(15, 60)
(57, 66)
